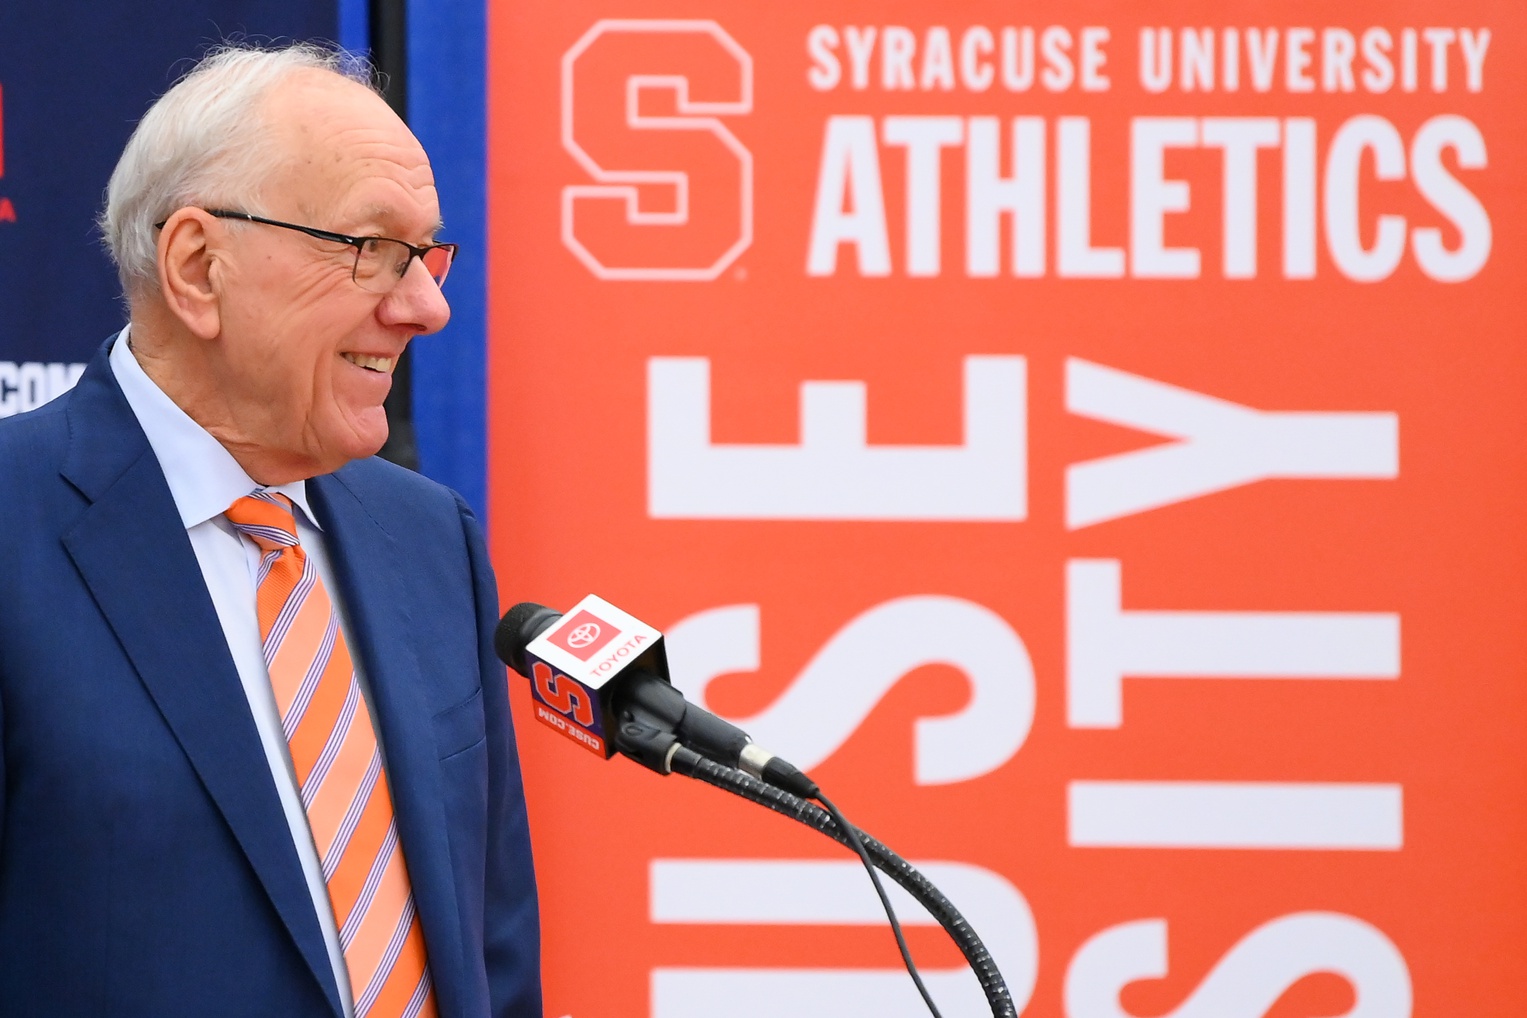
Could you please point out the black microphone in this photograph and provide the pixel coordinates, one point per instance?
(600, 677)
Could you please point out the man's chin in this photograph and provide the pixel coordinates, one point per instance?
(373, 442)
(367, 434)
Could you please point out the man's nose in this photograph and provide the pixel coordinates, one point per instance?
(417, 300)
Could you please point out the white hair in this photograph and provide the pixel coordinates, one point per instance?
(203, 143)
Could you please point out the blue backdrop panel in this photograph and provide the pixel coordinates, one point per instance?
(75, 76)
(447, 61)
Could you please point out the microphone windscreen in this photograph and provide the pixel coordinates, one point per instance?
(521, 624)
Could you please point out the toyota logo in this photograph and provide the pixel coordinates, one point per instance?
(583, 635)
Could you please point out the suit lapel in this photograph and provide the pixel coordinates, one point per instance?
(132, 551)
(367, 564)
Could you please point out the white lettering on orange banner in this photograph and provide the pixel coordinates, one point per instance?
(1252, 975)
(857, 667)
(850, 203)
(605, 246)
(1105, 643)
(802, 892)
(894, 58)
(833, 473)
(1263, 815)
(1219, 445)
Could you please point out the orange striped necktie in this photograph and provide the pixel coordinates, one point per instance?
(338, 767)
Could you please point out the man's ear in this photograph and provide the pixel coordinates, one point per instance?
(186, 259)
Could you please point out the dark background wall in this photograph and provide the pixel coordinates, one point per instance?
(75, 76)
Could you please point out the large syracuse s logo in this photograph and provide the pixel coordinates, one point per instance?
(642, 102)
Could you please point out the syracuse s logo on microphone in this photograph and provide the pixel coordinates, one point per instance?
(563, 695)
(671, 196)
(567, 707)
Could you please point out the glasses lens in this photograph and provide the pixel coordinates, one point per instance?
(380, 263)
(437, 261)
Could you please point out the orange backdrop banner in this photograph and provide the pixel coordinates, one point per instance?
(1091, 446)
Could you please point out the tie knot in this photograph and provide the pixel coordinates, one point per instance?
(266, 519)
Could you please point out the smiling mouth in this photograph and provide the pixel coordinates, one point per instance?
(381, 365)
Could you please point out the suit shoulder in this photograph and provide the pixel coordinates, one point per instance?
(35, 440)
(399, 496)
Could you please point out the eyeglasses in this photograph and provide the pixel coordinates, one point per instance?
(380, 262)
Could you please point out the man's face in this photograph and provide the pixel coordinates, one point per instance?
(305, 356)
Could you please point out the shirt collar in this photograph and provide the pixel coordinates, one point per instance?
(203, 476)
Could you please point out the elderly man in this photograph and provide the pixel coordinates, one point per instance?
(255, 750)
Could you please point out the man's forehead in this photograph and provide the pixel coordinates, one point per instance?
(382, 212)
(320, 114)
(345, 145)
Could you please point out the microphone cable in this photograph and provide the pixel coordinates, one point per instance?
(687, 762)
(851, 834)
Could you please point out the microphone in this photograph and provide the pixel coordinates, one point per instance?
(600, 677)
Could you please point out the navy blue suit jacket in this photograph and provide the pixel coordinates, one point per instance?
(146, 867)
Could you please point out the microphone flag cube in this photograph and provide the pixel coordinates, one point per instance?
(575, 665)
